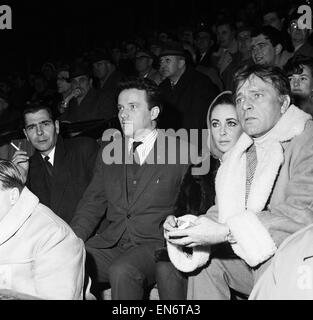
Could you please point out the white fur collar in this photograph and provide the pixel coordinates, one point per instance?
(231, 176)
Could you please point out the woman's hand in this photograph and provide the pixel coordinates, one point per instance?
(204, 231)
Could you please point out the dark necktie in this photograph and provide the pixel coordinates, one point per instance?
(250, 167)
(48, 165)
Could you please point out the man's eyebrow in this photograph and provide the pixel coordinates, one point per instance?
(41, 122)
(250, 90)
(256, 90)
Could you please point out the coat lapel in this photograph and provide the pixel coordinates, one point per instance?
(61, 174)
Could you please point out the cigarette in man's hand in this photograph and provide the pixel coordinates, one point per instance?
(14, 146)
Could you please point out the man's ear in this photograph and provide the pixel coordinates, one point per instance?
(25, 134)
(181, 63)
(14, 195)
(57, 126)
(285, 103)
(278, 49)
(154, 112)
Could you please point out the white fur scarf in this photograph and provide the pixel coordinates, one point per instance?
(254, 243)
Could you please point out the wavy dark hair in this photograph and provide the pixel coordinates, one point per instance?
(270, 74)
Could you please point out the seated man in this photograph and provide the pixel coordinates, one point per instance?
(136, 195)
(88, 103)
(300, 73)
(60, 169)
(144, 66)
(264, 188)
(40, 254)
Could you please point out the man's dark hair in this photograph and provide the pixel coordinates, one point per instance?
(226, 21)
(147, 85)
(269, 74)
(270, 33)
(295, 65)
(273, 8)
(33, 108)
(10, 176)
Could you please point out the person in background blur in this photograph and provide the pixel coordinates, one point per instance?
(144, 66)
(300, 74)
(299, 37)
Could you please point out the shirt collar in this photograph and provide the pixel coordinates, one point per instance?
(50, 155)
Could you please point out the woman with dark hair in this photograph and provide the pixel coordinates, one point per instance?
(197, 192)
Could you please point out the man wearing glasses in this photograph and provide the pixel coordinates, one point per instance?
(299, 37)
(60, 169)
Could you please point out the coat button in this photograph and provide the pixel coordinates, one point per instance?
(128, 216)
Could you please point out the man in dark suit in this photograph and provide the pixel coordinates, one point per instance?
(137, 195)
(186, 92)
(60, 169)
(88, 103)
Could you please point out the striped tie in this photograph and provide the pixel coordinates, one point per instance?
(251, 165)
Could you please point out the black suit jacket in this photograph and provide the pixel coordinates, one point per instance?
(72, 171)
(142, 217)
(187, 103)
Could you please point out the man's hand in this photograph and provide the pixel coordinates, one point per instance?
(21, 160)
(204, 232)
(169, 225)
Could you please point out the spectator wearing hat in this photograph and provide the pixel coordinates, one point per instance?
(144, 66)
(88, 103)
(105, 72)
(186, 92)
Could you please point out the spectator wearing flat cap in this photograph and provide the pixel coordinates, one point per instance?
(87, 103)
(186, 92)
(144, 66)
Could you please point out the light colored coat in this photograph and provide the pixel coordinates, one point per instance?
(289, 205)
(39, 253)
(290, 274)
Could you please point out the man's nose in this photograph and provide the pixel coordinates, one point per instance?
(123, 114)
(246, 104)
(39, 130)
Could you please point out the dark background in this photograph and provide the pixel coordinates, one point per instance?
(44, 30)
